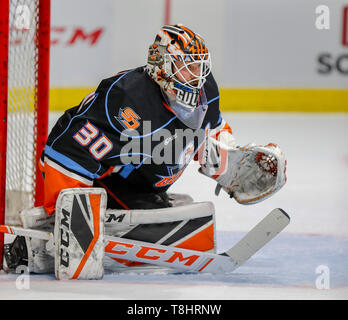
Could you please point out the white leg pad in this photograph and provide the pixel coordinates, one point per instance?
(160, 224)
(79, 233)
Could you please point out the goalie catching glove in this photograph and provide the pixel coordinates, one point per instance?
(249, 174)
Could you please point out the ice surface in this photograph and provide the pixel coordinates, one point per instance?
(288, 267)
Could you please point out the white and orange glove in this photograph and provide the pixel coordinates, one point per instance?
(249, 174)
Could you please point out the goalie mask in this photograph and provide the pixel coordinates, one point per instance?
(179, 62)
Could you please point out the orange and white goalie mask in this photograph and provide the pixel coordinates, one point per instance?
(179, 62)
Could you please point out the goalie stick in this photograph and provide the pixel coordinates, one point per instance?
(179, 258)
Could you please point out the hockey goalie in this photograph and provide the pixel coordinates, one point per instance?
(125, 144)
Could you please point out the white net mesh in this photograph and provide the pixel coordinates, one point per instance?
(22, 98)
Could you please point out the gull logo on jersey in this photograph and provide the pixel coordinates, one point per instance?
(128, 118)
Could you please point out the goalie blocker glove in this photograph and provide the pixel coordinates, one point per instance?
(249, 174)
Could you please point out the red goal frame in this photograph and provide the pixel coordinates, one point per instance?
(42, 99)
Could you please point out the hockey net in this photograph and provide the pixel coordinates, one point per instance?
(24, 31)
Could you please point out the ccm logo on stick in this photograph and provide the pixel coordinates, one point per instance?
(149, 253)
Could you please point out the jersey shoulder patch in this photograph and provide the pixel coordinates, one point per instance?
(128, 118)
(131, 100)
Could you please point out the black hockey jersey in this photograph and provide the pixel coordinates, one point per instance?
(125, 136)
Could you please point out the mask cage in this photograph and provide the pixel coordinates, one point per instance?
(198, 66)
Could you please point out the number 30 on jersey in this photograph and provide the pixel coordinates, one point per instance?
(98, 148)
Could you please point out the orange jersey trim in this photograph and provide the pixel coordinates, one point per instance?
(54, 182)
(169, 108)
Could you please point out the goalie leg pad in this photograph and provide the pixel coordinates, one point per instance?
(190, 226)
(79, 233)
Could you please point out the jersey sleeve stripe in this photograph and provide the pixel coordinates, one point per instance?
(69, 163)
(212, 100)
(66, 172)
(220, 119)
(86, 100)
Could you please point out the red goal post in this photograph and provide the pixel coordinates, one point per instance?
(24, 100)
